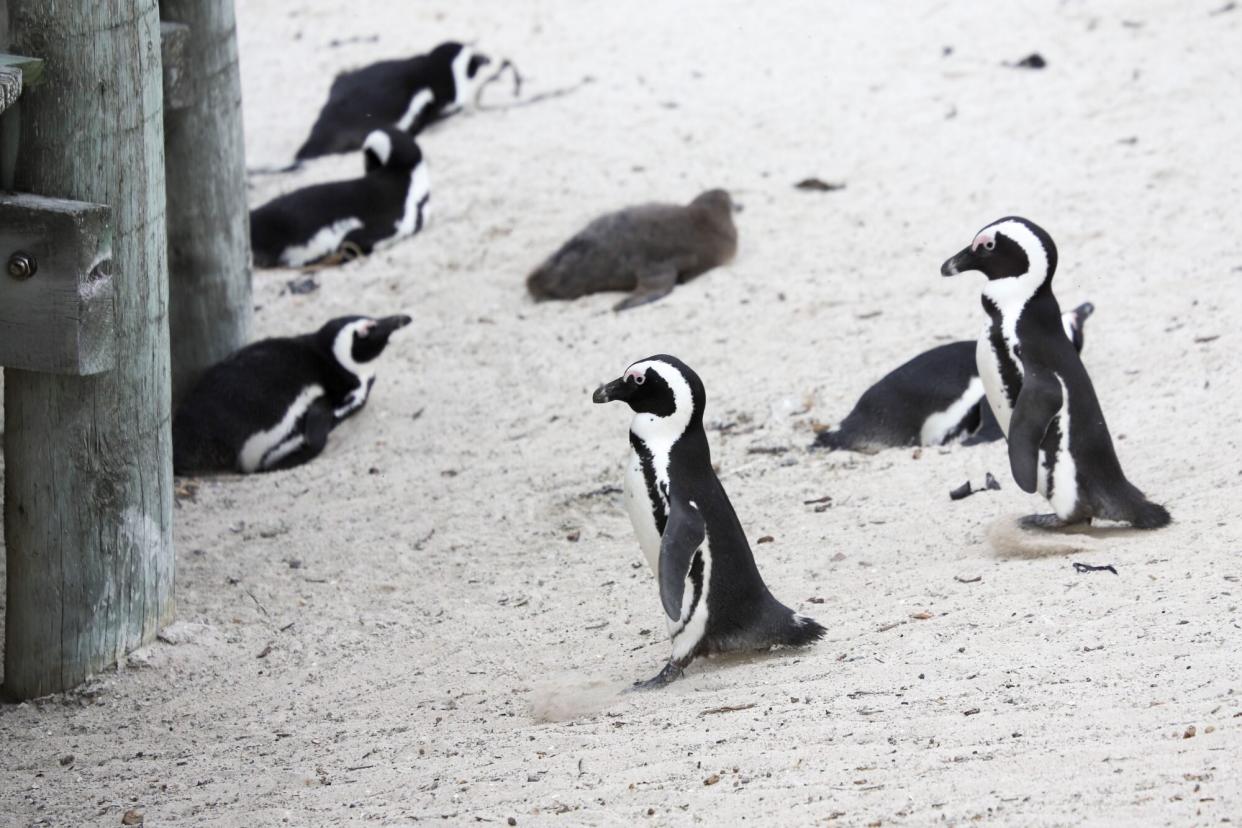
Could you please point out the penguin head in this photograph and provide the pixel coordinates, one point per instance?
(1011, 248)
(390, 148)
(459, 73)
(356, 340)
(1073, 321)
(665, 395)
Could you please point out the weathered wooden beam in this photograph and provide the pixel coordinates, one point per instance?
(88, 460)
(209, 303)
(174, 40)
(56, 312)
(17, 74)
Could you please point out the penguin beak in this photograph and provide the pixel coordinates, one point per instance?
(1083, 311)
(384, 327)
(961, 263)
(615, 390)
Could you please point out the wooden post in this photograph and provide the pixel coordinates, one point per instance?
(209, 303)
(88, 460)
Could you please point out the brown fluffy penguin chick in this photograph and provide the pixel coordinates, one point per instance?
(646, 249)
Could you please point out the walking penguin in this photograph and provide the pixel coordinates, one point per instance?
(711, 590)
(1038, 388)
(271, 405)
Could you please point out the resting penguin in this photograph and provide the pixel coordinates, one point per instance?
(711, 590)
(1037, 387)
(646, 249)
(407, 94)
(931, 400)
(271, 405)
(388, 203)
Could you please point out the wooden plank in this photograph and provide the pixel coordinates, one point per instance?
(30, 67)
(174, 41)
(88, 460)
(210, 307)
(60, 320)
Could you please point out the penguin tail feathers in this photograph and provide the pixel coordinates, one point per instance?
(1134, 508)
(1148, 515)
(799, 631)
(832, 440)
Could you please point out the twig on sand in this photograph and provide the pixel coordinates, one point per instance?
(728, 708)
(1082, 567)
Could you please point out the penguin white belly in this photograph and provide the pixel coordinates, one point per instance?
(642, 512)
(937, 428)
(325, 241)
(988, 363)
(274, 444)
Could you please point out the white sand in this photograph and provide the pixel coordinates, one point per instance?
(438, 607)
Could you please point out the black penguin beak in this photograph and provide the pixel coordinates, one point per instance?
(388, 324)
(618, 389)
(962, 262)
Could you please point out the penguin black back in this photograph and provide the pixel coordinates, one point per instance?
(271, 404)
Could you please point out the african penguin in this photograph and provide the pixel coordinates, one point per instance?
(933, 399)
(646, 249)
(271, 405)
(711, 590)
(1038, 388)
(356, 216)
(406, 94)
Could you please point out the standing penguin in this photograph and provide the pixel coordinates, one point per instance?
(931, 400)
(405, 94)
(1038, 388)
(647, 249)
(357, 216)
(271, 405)
(709, 585)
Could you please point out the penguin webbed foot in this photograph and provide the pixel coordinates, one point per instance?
(1047, 522)
(671, 672)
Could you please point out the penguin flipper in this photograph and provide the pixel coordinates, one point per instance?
(683, 535)
(654, 282)
(1037, 405)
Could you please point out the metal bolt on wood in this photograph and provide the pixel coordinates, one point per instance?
(23, 265)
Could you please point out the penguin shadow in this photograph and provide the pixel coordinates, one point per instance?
(1010, 541)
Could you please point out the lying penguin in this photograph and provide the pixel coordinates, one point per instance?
(406, 94)
(931, 400)
(271, 405)
(1038, 388)
(711, 590)
(354, 217)
(646, 249)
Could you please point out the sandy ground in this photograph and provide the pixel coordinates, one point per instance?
(369, 638)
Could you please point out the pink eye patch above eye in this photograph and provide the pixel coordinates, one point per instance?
(980, 240)
(638, 376)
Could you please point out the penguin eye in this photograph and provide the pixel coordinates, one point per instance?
(365, 330)
(990, 244)
(639, 379)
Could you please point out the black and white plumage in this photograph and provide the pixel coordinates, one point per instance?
(1037, 387)
(405, 94)
(711, 590)
(271, 405)
(931, 400)
(388, 203)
